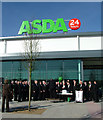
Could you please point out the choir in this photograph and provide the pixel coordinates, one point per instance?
(40, 90)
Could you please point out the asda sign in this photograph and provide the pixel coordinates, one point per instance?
(47, 26)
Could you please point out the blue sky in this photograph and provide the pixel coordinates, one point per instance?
(14, 13)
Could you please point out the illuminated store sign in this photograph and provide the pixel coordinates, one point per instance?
(47, 26)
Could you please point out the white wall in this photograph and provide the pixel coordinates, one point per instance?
(90, 43)
(14, 46)
(61, 44)
(2, 46)
(56, 44)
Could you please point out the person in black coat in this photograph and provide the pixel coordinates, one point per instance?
(20, 91)
(74, 88)
(12, 90)
(81, 86)
(90, 91)
(86, 91)
(47, 90)
(40, 91)
(68, 87)
(60, 86)
(52, 88)
(15, 91)
(44, 88)
(57, 89)
(35, 90)
(26, 90)
(95, 92)
(23, 91)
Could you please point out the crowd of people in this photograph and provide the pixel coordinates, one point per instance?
(40, 90)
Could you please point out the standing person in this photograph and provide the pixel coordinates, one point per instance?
(95, 92)
(47, 90)
(57, 89)
(35, 90)
(60, 87)
(24, 90)
(52, 88)
(6, 96)
(15, 91)
(74, 88)
(90, 91)
(63, 85)
(68, 87)
(40, 95)
(27, 90)
(85, 91)
(20, 90)
(44, 88)
(12, 90)
(81, 88)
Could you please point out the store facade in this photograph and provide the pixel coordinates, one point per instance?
(70, 55)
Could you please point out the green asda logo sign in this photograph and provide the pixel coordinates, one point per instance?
(44, 26)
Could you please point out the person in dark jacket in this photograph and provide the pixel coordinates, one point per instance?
(47, 90)
(81, 86)
(27, 90)
(15, 91)
(40, 92)
(74, 88)
(57, 89)
(68, 87)
(90, 91)
(60, 87)
(95, 92)
(20, 91)
(24, 91)
(52, 88)
(12, 90)
(86, 91)
(35, 90)
(6, 96)
(44, 88)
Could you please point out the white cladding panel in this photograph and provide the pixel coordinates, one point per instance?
(46, 45)
(15, 46)
(56, 44)
(102, 42)
(90, 43)
(59, 44)
(2, 46)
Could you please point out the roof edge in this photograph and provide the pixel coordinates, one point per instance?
(46, 36)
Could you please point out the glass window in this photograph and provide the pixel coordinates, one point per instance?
(43, 69)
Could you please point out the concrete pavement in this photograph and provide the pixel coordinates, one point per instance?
(56, 109)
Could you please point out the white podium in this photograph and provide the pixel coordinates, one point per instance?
(79, 96)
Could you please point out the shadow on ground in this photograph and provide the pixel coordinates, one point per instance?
(33, 109)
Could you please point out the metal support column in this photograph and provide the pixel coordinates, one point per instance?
(63, 70)
(82, 71)
(5, 46)
(46, 72)
(78, 38)
(79, 70)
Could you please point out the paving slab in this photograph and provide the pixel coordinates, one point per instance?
(56, 109)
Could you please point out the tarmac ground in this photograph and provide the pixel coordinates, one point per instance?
(56, 109)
